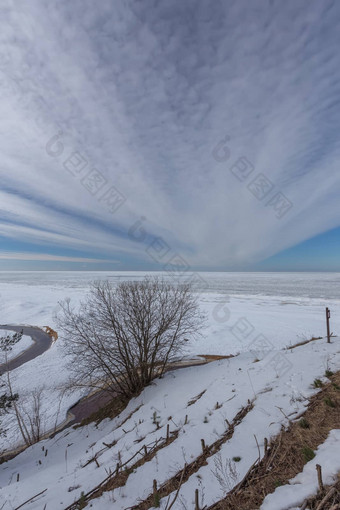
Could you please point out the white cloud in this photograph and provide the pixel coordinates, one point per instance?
(145, 92)
(48, 258)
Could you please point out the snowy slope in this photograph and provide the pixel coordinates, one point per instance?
(231, 383)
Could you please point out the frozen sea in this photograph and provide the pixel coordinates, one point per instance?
(284, 307)
(304, 285)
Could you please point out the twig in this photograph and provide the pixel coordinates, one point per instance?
(177, 492)
(258, 448)
(280, 409)
(28, 500)
(251, 383)
(328, 496)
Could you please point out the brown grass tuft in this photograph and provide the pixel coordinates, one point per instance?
(288, 453)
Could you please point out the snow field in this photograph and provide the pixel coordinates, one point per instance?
(169, 397)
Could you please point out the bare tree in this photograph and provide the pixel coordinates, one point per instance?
(7, 400)
(28, 414)
(123, 336)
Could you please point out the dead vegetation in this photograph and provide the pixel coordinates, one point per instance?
(194, 400)
(328, 499)
(304, 342)
(122, 472)
(119, 477)
(51, 332)
(174, 483)
(215, 357)
(287, 454)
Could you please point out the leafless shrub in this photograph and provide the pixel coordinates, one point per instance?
(29, 413)
(122, 337)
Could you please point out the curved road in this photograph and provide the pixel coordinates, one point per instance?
(42, 342)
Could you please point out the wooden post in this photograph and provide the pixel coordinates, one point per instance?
(18, 476)
(203, 445)
(318, 469)
(154, 490)
(145, 450)
(117, 468)
(197, 506)
(186, 419)
(167, 432)
(328, 315)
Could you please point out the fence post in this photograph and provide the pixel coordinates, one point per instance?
(319, 471)
(328, 315)
(197, 506)
(154, 489)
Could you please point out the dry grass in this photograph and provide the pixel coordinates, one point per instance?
(215, 357)
(304, 342)
(329, 499)
(184, 474)
(194, 400)
(288, 452)
(119, 477)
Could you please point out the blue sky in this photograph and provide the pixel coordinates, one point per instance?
(201, 133)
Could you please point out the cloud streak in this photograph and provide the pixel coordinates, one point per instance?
(45, 257)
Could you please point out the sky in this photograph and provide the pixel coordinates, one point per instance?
(152, 135)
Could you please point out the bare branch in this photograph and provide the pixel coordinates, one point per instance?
(123, 336)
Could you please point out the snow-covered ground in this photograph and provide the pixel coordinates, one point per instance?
(24, 343)
(255, 315)
(230, 383)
